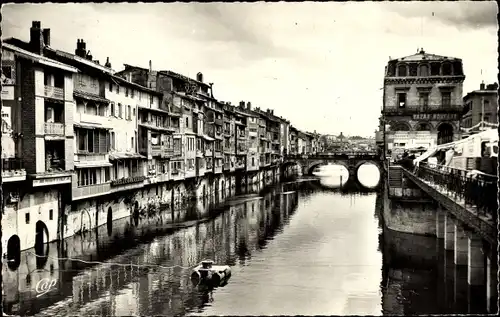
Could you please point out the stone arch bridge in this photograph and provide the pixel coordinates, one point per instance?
(350, 160)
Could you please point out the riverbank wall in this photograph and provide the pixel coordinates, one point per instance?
(44, 216)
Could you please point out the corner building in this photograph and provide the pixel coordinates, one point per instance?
(422, 101)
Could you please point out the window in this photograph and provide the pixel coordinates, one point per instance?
(187, 122)
(126, 92)
(140, 95)
(132, 93)
(151, 99)
(402, 99)
(133, 111)
(27, 217)
(253, 161)
(106, 174)
(446, 98)
(51, 214)
(132, 143)
(446, 69)
(117, 89)
(7, 72)
(424, 70)
(120, 113)
(112, 109)
(129, 113)
(402, 71)
(112, 140)
(110, 86)
(424, 99)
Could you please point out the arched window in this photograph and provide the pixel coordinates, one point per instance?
(400, 126)
(446, 69)
(402, 71)
(423, 127)
(424, 70)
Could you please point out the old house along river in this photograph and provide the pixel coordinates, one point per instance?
(297, 248)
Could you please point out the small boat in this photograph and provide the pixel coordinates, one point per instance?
(207, 273)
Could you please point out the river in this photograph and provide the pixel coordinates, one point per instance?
(295, 249)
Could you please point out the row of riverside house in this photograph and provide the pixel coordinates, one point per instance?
(83, 145)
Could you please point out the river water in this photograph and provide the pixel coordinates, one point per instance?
(296, 249)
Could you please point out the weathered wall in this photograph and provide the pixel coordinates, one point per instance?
(37, 205)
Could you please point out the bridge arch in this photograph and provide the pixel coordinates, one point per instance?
(372, 162)
(309, 169)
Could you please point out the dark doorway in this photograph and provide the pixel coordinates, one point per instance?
(41, 246)
(109, 221)
(14, 252)
(445, 133)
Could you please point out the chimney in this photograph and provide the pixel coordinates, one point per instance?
(97, 62)
(242, 104)
(272, 111)
(80, 48)
(199, 77)
(46, 36)
(481, 87)
(89, 56)
(249, 105)
(108, 64)
(36, 38)
(150, 66)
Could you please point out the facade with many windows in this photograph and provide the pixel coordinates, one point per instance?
(422, 100)
(84, 145)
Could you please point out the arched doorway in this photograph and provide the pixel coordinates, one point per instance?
(445, 133)
(14, 252)
(423, 126)
(109, 221)
(41, 246)
(42, 234)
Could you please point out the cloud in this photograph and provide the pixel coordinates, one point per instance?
(460, 14)
(320, 65)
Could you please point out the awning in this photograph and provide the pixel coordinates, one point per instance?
(92, 164)
(124, 156)
(89, 96)
(90, 125)
(206, 137)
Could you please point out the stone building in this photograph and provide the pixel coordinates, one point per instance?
(480, 106)
(422, 100)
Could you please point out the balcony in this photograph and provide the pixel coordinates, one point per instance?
(54, 129)
(156, 150)
(177, 152)
(13, 170)
(208, 153)
(218, 121)
(90, 191)
(51, 178)
(91, 159)
(53, 92)
(177, 175)
(418, 109)
(242, 135)
(95, 119)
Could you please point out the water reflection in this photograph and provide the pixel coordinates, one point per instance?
(293, 249)
(229, 235)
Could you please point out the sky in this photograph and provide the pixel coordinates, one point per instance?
(319, 65)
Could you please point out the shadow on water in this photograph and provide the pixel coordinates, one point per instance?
(182, 237)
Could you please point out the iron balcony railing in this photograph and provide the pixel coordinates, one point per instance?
(128, 180)
(54, 128)
(12, 164)
(410, 109)
(479, 191)
(53, 92)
